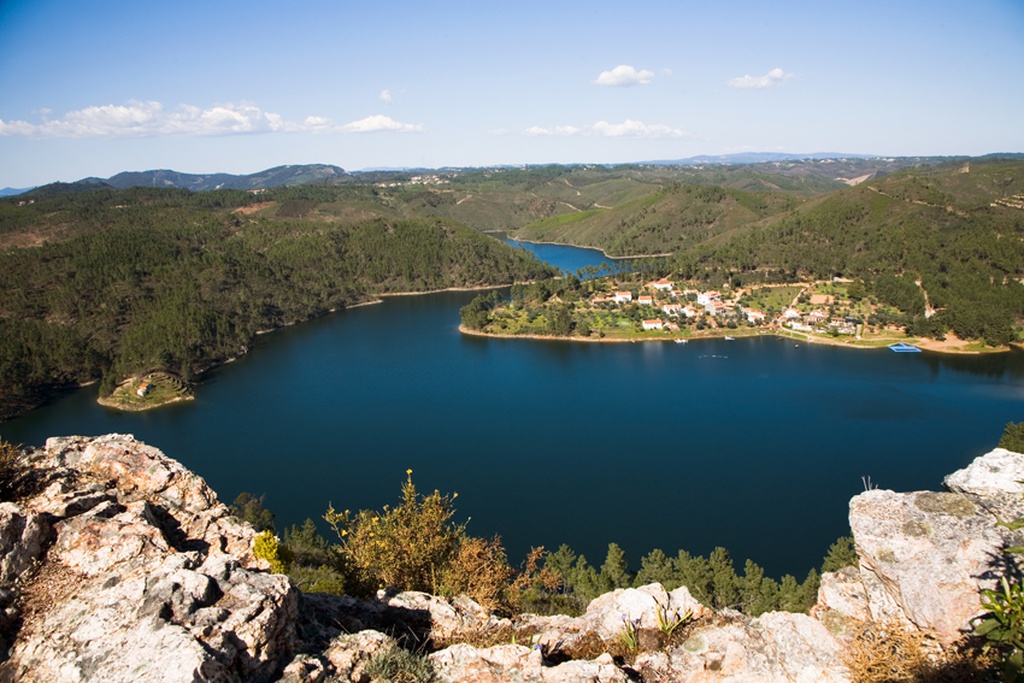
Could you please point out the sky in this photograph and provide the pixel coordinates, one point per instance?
(96, 88)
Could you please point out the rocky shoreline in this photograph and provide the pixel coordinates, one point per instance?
(119, 564)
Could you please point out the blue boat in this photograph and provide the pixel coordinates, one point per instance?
(900, 347)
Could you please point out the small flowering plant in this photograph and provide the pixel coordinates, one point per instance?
(629, 634)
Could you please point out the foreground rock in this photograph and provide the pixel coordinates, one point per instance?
(118, 564)
(925, 556)
(139, 574)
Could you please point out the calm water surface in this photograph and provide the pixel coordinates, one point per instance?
(756, 445)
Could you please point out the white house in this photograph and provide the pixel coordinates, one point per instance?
(705, 298)
(817, 316)
(661, 285)
(716, 307)
(645, 300)
(623, 297)
(655, 324)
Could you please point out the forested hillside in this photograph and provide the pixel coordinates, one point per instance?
(109, 283)
(947, 240)
(665, 222)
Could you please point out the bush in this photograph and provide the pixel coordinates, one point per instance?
(480, 570)
(416, 546)
(266, 547)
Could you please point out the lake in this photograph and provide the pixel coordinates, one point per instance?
(756, 445)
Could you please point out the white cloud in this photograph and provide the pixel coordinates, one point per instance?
(628, 128)
(624, 76)
(385, 96)
(140, 119)
(771, 79)
(557, 130)
(148, 119)
(379, 122)
(636, 129)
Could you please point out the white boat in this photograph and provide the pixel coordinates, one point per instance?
(730, 339)
(681, 341)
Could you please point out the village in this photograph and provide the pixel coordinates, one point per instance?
(808, 311)
(837, 311)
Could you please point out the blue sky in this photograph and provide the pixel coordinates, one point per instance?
(94, 88)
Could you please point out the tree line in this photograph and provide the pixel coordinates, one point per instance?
(417, 545)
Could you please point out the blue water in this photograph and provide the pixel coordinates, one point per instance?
(755, 445)
(571, 259)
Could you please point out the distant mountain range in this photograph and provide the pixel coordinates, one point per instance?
(741, 158)
(845, 166)
(272, 177)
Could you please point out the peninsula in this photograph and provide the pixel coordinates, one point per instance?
(622, 308)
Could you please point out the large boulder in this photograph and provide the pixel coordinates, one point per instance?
(926, 556)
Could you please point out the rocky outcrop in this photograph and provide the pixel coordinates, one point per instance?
(118, 564)
(125, 567)
(925, 556)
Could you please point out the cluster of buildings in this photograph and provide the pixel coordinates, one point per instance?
(432, 179)
(818, 320)
(678, 304)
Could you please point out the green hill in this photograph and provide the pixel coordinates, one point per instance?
(112, 283)
(954, 234)
(665, 222)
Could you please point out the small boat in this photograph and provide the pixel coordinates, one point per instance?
(681, 341)
(730, 339)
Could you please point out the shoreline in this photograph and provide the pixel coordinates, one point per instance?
(933, 346)
(930, 345)
(110, 402)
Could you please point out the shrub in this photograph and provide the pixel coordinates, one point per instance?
(266, 547)
(480, 570)
(885, 653)
(417, 547)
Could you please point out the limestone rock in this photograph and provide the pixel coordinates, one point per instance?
(440, 620)
(993, 482)
(778, 647)
(607, 613)
(924, 557)
(349, 654)
(518, 664)
(143, 576)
